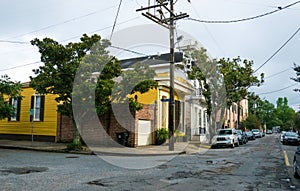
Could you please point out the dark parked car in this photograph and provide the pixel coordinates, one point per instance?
(291, 138)
(296, 163)
(250, 135)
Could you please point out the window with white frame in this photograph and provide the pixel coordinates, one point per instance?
(16, 104)
(37, 107)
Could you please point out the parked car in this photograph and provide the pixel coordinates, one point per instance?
(250, 135)
(226, 138)
(291, 138)
(296, 163)
(242, 137)
(269, 131)
(281, 135)
(257, 133)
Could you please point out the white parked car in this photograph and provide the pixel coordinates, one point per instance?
(282, 135)
(226, 138)
(257, 133)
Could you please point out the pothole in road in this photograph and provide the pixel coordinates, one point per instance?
(222, 170)
(72, 157)
(103, 183)
(22, 170)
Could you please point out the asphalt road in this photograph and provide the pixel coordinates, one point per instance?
(258, 165)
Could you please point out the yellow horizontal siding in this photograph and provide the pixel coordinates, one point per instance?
(48, 127)
(147, 98)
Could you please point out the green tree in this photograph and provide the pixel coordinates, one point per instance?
(84, 75)
(252, 122)
(297, 122)
(284, 113)
(8, 89)
(296, 68)
(266, 113)
(198, 71)
(238, 77)
(57, 74)
(206, 72)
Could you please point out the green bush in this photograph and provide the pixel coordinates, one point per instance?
(74, 146)
(161, 135)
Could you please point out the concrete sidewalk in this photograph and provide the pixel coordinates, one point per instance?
(150, 150)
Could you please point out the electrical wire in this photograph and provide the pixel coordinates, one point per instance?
(208, 31)
(32, 63)
(116, 18)
(63, 22)
(275, 91)
(98, 30)
(14, 42)
(19, 42)
(244, 19)
(128, 50)
(284, 44)
(273, 75)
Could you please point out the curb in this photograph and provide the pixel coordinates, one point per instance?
(46, 150)
(137, 154)
(107, 153)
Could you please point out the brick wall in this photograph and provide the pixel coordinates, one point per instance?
(64, 128)
(119, 121)
(114, 123)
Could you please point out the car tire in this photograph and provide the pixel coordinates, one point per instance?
(237, 144)
(232, 145)
(296, 175)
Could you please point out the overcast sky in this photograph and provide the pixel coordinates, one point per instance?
(255, 39)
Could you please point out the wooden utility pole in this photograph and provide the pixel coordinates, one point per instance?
(158, 16)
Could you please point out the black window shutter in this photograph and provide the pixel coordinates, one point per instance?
(42, 108)
(10, 102)
(19, 109)
(31, 107)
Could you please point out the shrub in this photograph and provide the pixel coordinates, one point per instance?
(74, 146)
(161, 135)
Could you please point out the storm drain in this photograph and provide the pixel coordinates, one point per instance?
(22, 170)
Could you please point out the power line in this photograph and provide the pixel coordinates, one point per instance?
(128, 50)
(14, 42)
(278, 50)
(208, 31)
(61, 23)
(244, 19)
(275, 91)
(124, 49)
(116, 18)
(98, 30)
(32, 63)
(273, 75)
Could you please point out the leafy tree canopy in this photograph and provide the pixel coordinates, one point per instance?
(238, 76)
(8, 89)
(57, 74)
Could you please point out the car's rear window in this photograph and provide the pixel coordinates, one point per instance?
(225, 132)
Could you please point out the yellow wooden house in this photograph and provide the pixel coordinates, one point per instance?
(35, 117)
